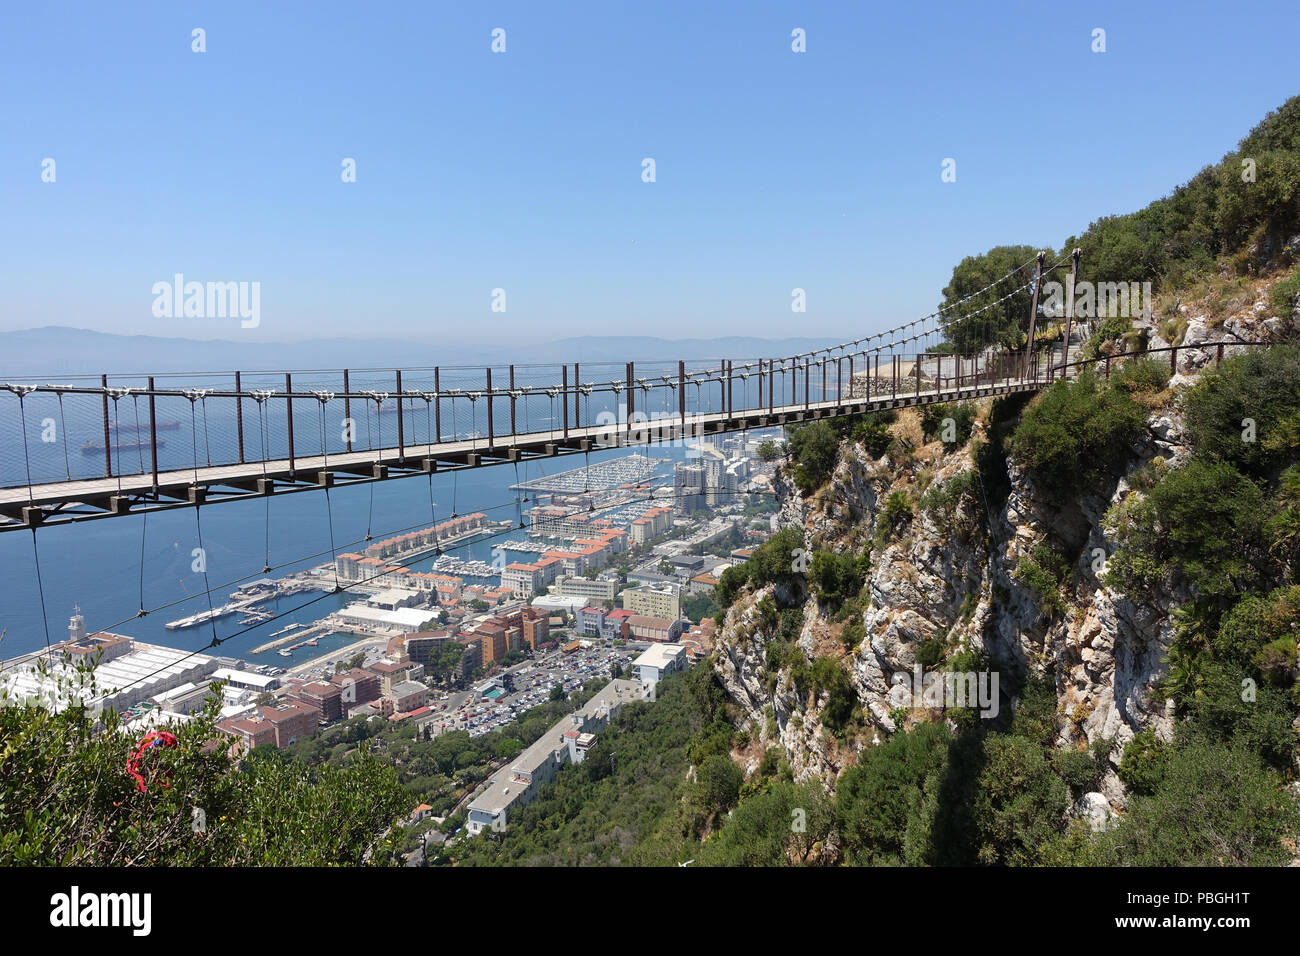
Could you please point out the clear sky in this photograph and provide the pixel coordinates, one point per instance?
(522, 170)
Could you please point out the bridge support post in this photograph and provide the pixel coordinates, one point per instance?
(681, 394)
(491, 430)
(288, 404)
(108, 452)
(730, 402)
(577, 398)
(1069, 307)
(437, 406)
(347, 407)
(239, 416)
(153, 434)
(512, 401)
(401, 428)
(564, 398)
(1033, 311)
(631, 396)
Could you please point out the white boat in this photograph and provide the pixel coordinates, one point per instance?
(201, 618)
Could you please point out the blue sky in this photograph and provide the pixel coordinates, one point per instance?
(522, 170)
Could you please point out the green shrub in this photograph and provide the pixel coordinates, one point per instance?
(1261, 386)
(1283, 294)
(897, 512)
(814, 448)
(1142, 768)
(872, 431)
(825, 675)
(1078, 768)
(1141, 375)
(879, 802)
(1019, 803)
(1076, 433)
(1203, 521)
(1044, 571)
(836, 577)
(1260, 633)
(942, 499)
(935, 418)
(1211, 805)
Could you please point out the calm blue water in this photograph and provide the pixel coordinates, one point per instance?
(97, 564)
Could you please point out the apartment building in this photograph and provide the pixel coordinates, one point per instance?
(654, 601)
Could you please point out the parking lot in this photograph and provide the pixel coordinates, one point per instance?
(533, 681)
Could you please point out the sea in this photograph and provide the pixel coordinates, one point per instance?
(113, 567)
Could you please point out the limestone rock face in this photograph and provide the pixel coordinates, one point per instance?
(952, 580)
(953, 577)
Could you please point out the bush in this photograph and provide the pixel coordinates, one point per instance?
(826, 676)
(1044, 571)
(1020, 803)
(1076, 433)
(878, 802)
(1260, 633)
(1213, 805)
(814, 448)
(897, 511)
(1284, 293)
(1203, 521)
(1142, 768)
(872, 432)
(1261, 386)
(74, 804)
(1078, 768)
(935, 419)
(1141, 375)
(836, 577)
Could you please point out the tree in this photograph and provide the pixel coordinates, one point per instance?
(1214, 805)
(1020, 803)
(814, 448)
(1076, 433)
(880, 800)
(1002, 323)
(75, 805)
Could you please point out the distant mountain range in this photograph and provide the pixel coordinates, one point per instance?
(59, 350)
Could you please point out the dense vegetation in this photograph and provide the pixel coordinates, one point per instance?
(66, 799)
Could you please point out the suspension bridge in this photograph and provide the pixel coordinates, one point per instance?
(129, 444)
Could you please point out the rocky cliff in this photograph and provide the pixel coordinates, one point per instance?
(952, 574)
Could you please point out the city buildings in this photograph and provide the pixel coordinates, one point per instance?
(601, 589)
(404, 620)
(652, 523)
(660, 660)
(126, 671)
(420, 645)
(325, 697)
(517, 784)
(279, 725)
(642, 627)
(663, 600)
